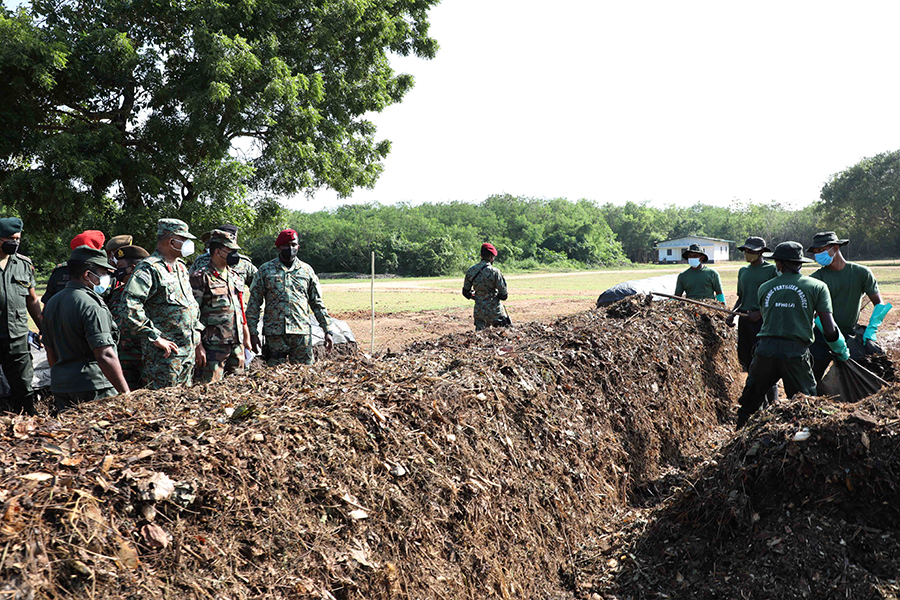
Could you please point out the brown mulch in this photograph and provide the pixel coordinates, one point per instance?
(534, 462)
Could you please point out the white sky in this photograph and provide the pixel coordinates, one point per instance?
(672, 102)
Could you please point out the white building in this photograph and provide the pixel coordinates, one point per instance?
(717, 250)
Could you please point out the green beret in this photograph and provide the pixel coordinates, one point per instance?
(10, 226)
(86, 254)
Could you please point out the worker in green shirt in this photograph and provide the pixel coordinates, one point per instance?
(788, 304)
(847, 283)
(699, 282)
(750, 277)
(80, 334)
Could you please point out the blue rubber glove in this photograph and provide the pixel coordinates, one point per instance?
(721, 298)
(839, 347)
(878, 314)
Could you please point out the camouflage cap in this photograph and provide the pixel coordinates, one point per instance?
(118, 241)
(173, 227)
(217, 236)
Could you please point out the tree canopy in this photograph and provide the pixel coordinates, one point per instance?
(196, 108)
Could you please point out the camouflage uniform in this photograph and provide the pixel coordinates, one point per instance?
(486, 285)
(129, 346)
(220, 297)
(244, 269)
(291, 295)
(160, 303)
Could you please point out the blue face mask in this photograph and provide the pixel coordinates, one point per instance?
(694, 262)
(824, 258)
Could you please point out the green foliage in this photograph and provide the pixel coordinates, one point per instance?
(121, 111)
(863, 204)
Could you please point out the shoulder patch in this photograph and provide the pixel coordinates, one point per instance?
(143, 276)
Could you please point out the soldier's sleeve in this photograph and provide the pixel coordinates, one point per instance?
(137, 290)
(198, 288)
(717, 282)
(870, 286)
(251, 273)
(679, 286)
(467, 287)
(314, 298)
(255, 303)
(98, 326)
(502, 290)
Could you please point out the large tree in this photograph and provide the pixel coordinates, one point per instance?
(170, 106)
(863, 201)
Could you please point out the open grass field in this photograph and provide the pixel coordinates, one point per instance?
(412, 309)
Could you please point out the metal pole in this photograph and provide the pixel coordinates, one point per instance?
(372, 347)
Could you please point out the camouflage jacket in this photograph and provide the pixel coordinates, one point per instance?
(485, 284)
(245, 268)
(291, 296)
(221, 305)
(129, 346)
(160, 303)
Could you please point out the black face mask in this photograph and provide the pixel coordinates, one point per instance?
(9, 248)
(232, 259)
(121, 274)
(288, 254)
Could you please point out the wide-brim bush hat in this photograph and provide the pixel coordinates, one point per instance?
(788, 252)
(696, 249)
(826, 238)
(754, 244)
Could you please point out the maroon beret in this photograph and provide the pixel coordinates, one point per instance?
(488, 247)
(286, 237)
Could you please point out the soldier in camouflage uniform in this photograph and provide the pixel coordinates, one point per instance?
(485, 283)
(291, 292)
(162, 310)
(129, 347)
(219, 292)
(59, 276)
(244, 268)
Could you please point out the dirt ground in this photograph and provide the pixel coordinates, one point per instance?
(394, 331)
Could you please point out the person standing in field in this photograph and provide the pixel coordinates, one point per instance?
(847, 283)
(161, 308)
(750, 277)
(18, 299)
(292, 295)
(130, 349)
(485, 284)
(219, 292)
(788, 303)
(80, 334)
(698, 282)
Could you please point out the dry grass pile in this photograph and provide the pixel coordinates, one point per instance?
(805, 503)
(477, 465)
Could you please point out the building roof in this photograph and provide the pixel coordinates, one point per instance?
(686, 241)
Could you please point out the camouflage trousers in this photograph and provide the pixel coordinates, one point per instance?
(221, 360)
(175, 370)
(132, 360)
(293, 348)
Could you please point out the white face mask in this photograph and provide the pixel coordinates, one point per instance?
(103, 285)
(694, 262)
(187, 248)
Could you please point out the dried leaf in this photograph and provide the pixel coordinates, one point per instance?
(155, 536)
(358, 515)
(36, 476)
(127, 556)
(71, 461)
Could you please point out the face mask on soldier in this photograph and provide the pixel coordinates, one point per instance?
(233, 258)
(9, 247)
(287, 254)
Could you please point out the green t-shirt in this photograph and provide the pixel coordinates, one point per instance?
(789, 304)
(76, 322)
(847, 287)
(699, 284)
(750, 278)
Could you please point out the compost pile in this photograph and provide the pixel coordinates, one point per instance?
(805, 503)
(477, 465)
